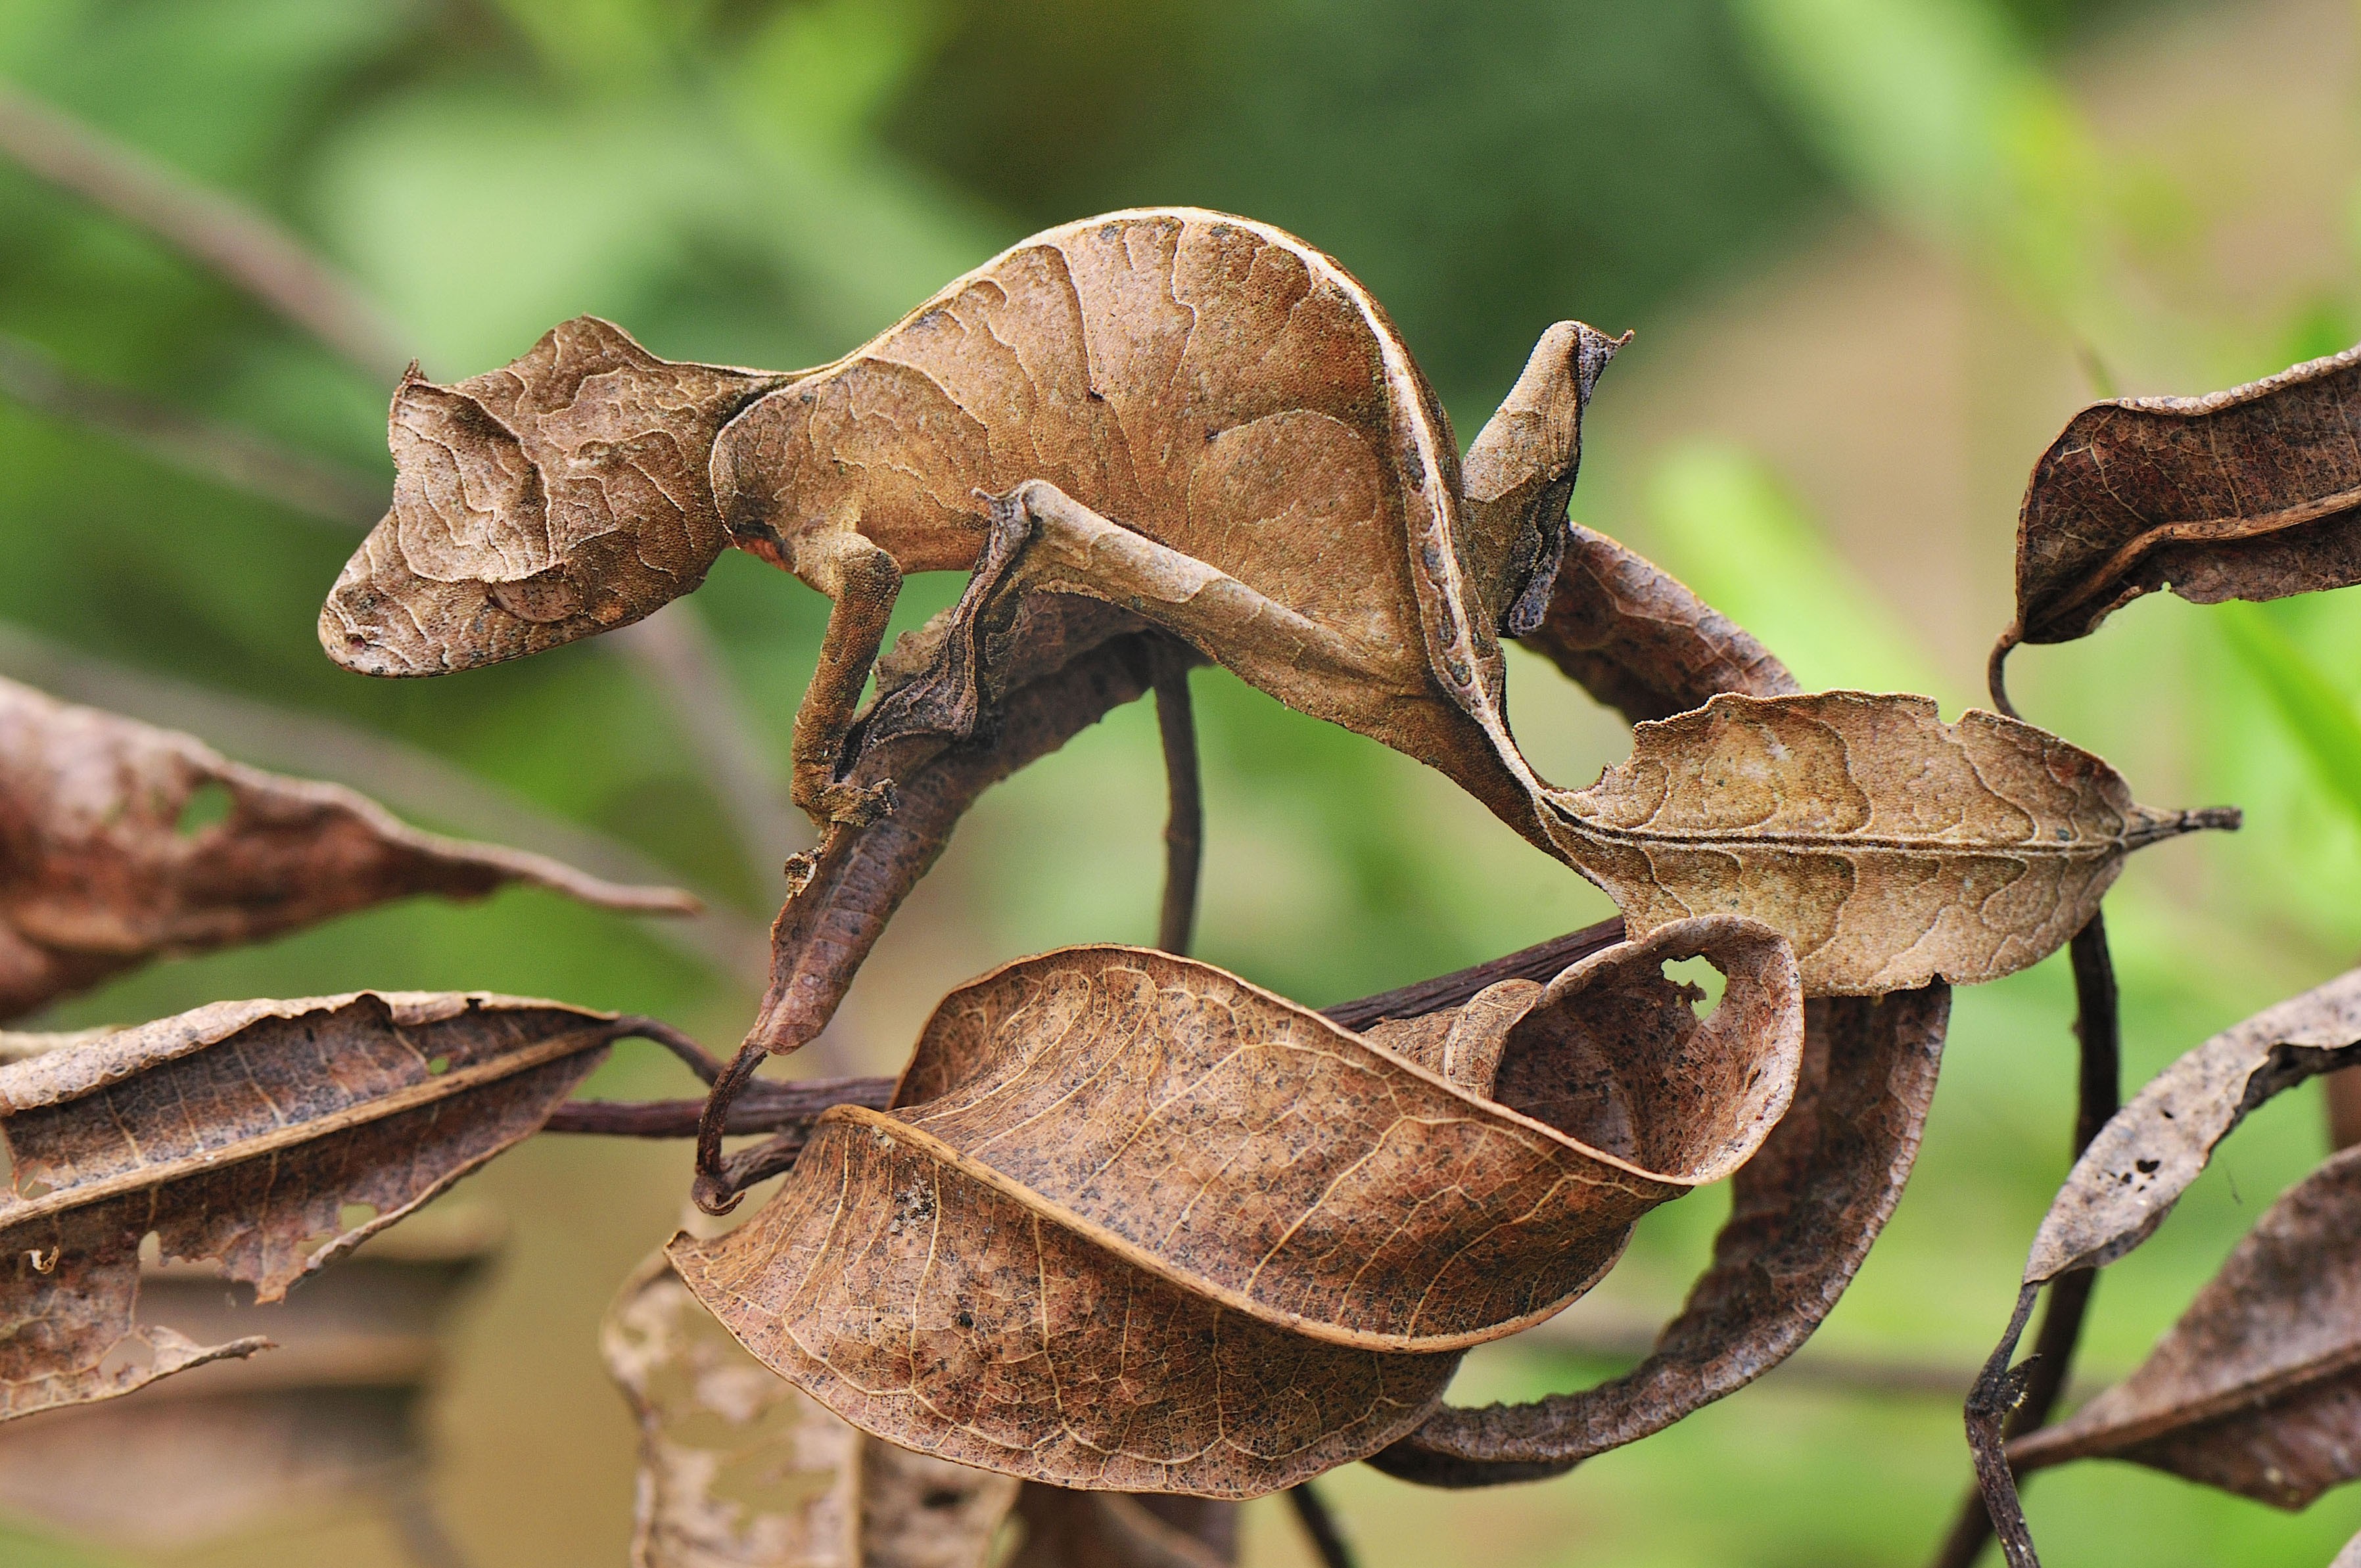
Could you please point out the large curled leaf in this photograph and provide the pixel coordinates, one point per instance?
(1889, 847)
(103, 865)
(334, 1418)
(1136, 1225)
(2258, 1388)
(2248, 494)
(243, 1133)
(740, 1469)
(1804, 1212)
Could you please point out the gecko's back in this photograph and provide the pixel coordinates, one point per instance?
(1209, 382)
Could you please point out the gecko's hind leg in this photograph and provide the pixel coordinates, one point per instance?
(948, 697)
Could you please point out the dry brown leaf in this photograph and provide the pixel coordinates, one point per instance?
(2143, 1159)
(1150, 1198)
(1635, 638)
(98, 873)
(332, 1417)
(246, 1133)
(2258, 1388)
(1889, 847)
(1810, 1203)
(2128, 1180)
(1804, 1212)
(1232, 395)
(739, 1469)
(2250, 494)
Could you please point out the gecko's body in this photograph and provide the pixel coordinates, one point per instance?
(1196, 417)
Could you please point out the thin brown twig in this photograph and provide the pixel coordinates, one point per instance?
(1540, 961)
(1184, 822)
(2037, 1384)
(1319, 1524)
(242, 246)
(234, 458)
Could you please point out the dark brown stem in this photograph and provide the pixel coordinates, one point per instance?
(2037, 1385)
(767, 1106)
(1540, 961)
(244, 246)
(1184, 822)
(1320, 1527)
(1997, 672)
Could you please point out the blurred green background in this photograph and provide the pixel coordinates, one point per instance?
(1876, 252)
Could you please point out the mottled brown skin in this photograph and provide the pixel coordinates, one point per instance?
(1194, 416)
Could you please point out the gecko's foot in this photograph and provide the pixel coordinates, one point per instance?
(857, 806)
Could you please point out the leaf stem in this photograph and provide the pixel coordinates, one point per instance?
(1320, 1526)
(2098, 1026)
(1184, 822)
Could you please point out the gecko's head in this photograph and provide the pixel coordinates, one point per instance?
(564, 495)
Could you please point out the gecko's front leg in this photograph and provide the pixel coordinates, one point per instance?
(864, 581)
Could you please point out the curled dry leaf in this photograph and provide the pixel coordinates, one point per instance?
(1197, 417)
(739, 1469)
(1190, 1228)
(100, 872)
(1821, 1188)
(244, 1132)
(332, 1417)
(2250, 494)
(2131, 1175)
(1804, 1212)
(2258, 1388)
(1889, 847)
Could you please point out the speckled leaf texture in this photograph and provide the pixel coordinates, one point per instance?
(97, 875)
(2250, 493)
(2258, 1388)
(237, 1134)
(740, 1469)
(1890, 847)
(2148, 1153)
(1134, 1225)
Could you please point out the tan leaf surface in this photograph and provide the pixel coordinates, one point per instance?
(2250, 493)
(331, 1419)
(1193, 1227)
(2258, 1388)
(1889, 847)
(97, 875)
(242, 1132)
(740, 1469)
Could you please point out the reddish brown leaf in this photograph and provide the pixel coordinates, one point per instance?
(1635, 638)
(243, 1133)
(2258, 1388)
(99, 873)
(1107, 1154)
(2250, 494)
(332, 1417)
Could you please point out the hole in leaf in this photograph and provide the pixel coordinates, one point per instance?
(1703, 982)
(438, 1066)
(353, 1216)
(34, 1190)
(212, 802)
